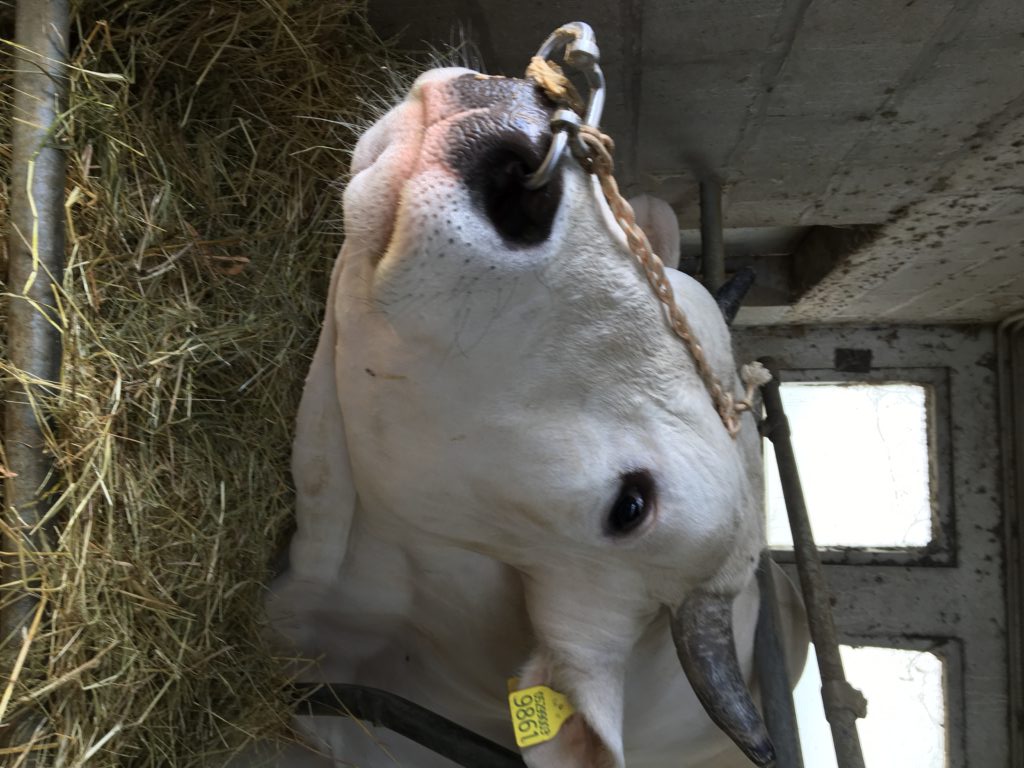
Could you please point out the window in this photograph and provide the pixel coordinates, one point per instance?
(906, 722)
(863, 451)
(873, 461)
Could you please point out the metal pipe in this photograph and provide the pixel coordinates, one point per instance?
(712, 241)
(843, 703)
(1010, 358)
(387, 710)
(773, 673)
(35, 270)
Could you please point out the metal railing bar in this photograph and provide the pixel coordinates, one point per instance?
(35, 269)
(34, 274)
(844, 704)
(1010, 356)
(773, 673)
(712, 238)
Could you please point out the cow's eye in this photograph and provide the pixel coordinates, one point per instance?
(633, 505)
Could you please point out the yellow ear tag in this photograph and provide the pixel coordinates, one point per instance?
(537, 713)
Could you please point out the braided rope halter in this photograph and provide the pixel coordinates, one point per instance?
(593, 149)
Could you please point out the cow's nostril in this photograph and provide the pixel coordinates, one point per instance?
(521, 216)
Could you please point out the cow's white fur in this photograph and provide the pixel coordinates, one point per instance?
(467, 416)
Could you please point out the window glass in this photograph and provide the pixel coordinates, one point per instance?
(863, 456)
(906, 722)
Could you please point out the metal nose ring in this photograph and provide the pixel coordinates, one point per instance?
(581, 54)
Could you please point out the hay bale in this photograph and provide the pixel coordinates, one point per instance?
(204, 145)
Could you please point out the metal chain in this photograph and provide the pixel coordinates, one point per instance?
(598, 160)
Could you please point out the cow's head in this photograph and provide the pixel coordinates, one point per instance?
(509, 385)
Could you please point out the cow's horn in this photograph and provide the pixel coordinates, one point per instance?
(702, 632)
(730, 295)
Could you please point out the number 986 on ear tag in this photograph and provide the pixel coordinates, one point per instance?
(537, 714)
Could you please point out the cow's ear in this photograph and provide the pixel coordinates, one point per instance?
(325, 495)
(575, 746)
(658, 221)
(577, 743)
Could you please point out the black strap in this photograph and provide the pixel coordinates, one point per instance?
(380, 708)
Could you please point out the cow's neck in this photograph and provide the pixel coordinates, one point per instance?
(433, 622)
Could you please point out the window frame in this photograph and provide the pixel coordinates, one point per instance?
(942, 550)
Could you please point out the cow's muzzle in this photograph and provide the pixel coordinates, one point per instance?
(502, 139)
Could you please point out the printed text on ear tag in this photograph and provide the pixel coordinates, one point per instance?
(537, 714)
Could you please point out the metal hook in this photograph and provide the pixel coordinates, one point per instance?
(582, 54)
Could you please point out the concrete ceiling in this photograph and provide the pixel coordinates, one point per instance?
(871, 152)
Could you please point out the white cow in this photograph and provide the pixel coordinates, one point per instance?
(506, 464)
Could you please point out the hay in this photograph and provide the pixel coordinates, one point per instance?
(204, 142)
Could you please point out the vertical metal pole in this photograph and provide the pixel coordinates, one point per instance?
(773, 673)
(843, 703)
(1010, 346)
(36, 258)
(712, 242)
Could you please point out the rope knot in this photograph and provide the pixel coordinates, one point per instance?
(556, 86)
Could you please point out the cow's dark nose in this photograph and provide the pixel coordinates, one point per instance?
(497, 182)
(496, 146)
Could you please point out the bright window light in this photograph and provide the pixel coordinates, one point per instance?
(906, 722)
(863, 456)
